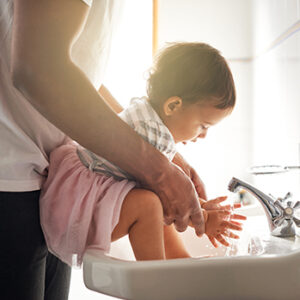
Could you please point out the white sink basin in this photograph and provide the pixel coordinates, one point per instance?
(262, 267)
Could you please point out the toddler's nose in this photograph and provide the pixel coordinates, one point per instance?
(200, 136)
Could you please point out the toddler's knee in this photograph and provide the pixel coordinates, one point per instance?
(151, 204)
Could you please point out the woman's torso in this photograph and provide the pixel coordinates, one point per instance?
(26, 137)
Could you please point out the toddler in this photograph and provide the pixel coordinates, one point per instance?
(88, 202)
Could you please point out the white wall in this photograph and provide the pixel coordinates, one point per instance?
(131, 54)
(276, 107)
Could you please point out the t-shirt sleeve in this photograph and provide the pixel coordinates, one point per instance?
(88, 2)
(154, 133)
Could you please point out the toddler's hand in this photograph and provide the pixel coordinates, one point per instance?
(215, 204)
(218, 224)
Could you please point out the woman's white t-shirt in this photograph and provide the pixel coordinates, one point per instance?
(26, 137)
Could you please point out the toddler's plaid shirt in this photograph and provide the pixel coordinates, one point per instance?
(145, 121)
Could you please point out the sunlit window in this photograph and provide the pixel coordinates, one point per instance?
(131, 54)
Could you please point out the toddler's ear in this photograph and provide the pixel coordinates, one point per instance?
(172, 105)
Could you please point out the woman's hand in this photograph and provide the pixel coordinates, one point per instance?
(191, 173)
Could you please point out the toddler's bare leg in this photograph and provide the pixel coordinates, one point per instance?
(174, 246)
(142, 218)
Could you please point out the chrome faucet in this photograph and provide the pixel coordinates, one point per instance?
(280, 217)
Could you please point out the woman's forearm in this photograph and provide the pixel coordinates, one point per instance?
(71, 103)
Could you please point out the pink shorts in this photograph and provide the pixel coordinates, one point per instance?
(79, 209)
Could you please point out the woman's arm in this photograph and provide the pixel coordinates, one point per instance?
(43, 71)
(191, 172)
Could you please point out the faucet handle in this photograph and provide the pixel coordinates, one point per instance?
(286, 213)
(287, 196)
(297, 221)
(296, 205)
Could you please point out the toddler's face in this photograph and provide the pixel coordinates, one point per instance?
(190, 122)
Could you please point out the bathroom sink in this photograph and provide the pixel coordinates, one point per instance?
(259, 266)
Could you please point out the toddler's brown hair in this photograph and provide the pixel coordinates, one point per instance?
(193, 72)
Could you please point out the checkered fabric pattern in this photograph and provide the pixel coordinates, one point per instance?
(145, 121)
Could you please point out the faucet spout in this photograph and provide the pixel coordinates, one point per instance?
(266, 201)
(281, 219)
